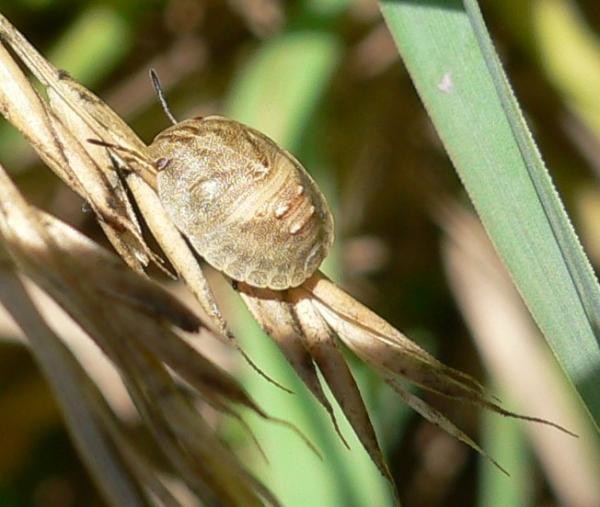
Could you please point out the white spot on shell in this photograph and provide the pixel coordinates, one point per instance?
(208, 188)
(299, 190)
(446, 84)
(260, 169)
(295, 228)
(281, 210)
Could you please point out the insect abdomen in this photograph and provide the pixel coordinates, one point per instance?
(246, 206)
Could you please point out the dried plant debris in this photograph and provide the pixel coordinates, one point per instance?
(131, 318)
(309, 317)
(57, 145)
(47, 127)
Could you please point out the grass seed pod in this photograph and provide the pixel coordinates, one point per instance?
(246, 205)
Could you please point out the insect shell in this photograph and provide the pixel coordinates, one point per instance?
(246, 205)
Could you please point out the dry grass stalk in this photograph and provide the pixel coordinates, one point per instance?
(75, 394)
(130, 318)
(303, 321)
(507, 338)
(23, 107)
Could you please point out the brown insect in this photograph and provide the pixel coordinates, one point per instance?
(246, 205)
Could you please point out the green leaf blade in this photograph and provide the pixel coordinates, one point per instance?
(278, 91)
(456, 72)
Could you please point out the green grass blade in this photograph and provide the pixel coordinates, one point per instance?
(278, 91)
(92, 46)
(454, 67)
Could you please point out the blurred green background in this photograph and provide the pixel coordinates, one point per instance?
(323, 78)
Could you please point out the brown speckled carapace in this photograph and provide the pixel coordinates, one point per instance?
(246, 205)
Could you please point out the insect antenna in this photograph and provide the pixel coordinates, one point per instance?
(119, 149)
(161, 96)
(133, 158)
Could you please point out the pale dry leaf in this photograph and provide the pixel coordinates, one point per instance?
(436, 417)
(389, 344)
(394, 356)
(177, 251)
(114, 281)
(96, 365)
(75, 273)
(321, 342)
(205, 463)
(276, 317)
(71, 386)
(63, 153)
(99, 117)
(75, 124)
(79, 105)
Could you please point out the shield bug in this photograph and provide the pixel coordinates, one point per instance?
(246, 205)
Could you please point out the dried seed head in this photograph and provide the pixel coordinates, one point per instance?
(246, 205)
